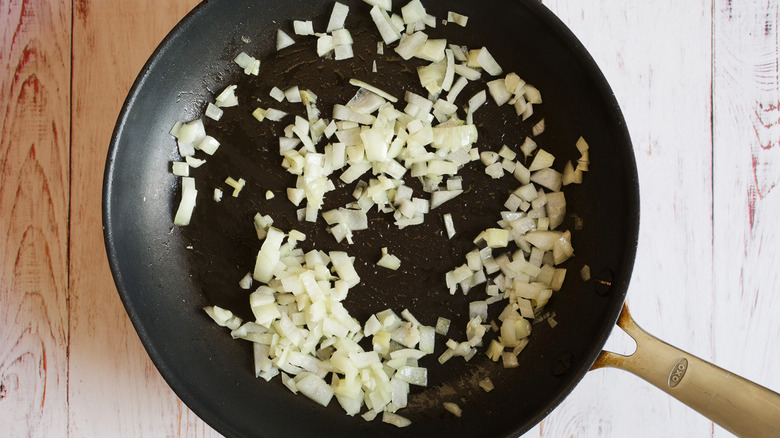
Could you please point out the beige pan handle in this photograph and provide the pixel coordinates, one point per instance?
(738, 405)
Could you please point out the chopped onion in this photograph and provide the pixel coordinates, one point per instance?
(180, 168)
(303, 27)
(337, 17)
(395, 419)
(283, 40)
(213, 112)
(454, 17)
(187, 204)
(227, 97)
(485, 60)
(453, 408)
(386, 29)
(373, 89)
(389, 261)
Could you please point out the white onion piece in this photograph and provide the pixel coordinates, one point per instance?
(543, 159)
(303, 27)
(283, 40)
(324, 45)
(213, 112)
(389, 261)
(454, 17)
(382, 21)
(432, 50)
(395, 419)
(498, 92)
(410, 45)
(487, 62)
(315, 388)
(180, 168)
(457, 87)
(227, 98)
(187, 204)
(194, 162)
(373, 89)
(337, 17)
(274, 114)
(382, 4)
(413, 12)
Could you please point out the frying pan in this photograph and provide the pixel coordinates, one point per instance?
(166, 274)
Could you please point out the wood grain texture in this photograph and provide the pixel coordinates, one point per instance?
(114, 388)
(657, 58)
(699, 85)
(746, 118)
(34, 160)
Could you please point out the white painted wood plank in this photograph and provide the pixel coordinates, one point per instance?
(746, 120)
(656, 56)
(34, 158)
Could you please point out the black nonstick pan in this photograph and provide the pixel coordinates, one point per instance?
(166, 274)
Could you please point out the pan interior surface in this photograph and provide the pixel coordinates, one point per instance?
(164, 285)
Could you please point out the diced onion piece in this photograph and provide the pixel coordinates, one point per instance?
(274, 114)
(441, 196)
(194, 162)
(413, 12)
(324, 45)
(555, 208)
(486, 384)
(382, 21)
(496, 237)
(454, 17)
(293, 94)
(395, 419)
(191, 132)
(453, 408)
(548, 178)
(585, 273)
(303, 27)
(236, 185)
(477, 100)
(283, 40)
(187, 204)
(227, 97)
(315, 388)
(248, 63)
(532, 94)
(217, 194)
(213, 112)
(538, 128)
(373, 89)
(442, 326)
(337, 17)
(223, 317)
(449, 225)
(487, 62)
(409, 46)
(389, 261)
(180, 168)
(542, 160)
(432, 50)
(498, 91)
(246, 282)
(342, 51)
(208, 145)
(543, 240)
(268, 256)
(582, 145)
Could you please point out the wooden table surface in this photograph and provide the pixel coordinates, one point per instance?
(699, 85)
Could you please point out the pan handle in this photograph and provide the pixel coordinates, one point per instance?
(737, 404)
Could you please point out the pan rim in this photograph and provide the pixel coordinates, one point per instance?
(181, 389)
